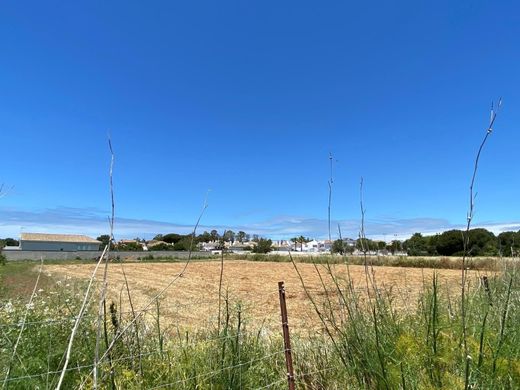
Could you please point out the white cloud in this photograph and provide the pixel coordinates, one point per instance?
(94, 222)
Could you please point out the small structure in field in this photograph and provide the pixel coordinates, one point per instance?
(57, 242)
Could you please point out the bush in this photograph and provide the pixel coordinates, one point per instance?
(263, 246)
(185, 243)
(3, 260)
(130, 247)
(339, 246)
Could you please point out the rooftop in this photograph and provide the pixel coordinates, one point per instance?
(76, 238)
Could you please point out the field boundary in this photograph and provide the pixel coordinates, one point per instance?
(18, 255)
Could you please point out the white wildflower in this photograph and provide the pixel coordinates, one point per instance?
(9, 307)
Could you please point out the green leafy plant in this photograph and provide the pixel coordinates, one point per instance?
(263, 246)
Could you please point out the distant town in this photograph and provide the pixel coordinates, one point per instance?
(449, 243)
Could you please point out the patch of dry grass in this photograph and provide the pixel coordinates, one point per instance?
(192, 301)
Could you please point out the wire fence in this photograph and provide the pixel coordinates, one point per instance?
(154, 344)
(215, 372)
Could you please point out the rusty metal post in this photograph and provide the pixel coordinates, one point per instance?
(286, 338)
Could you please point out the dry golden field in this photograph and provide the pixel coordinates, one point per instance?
(191, 303)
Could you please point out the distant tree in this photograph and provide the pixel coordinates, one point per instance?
(417, 245)
(508, 243)
(450, 243)
(349, 248)
(338, 246)
(263, 246)
(204, 237)
(172, 238)
(158, 237)
(300, 240)
(247, 237)
(229, 236)
(394, 246)
(397, 246)
(105, 239)
(255, 238)
(381, 245)
(185, 244)
(366, 244)
(482, 243)
(8, 242)
(432, 244)
(241, 236)
(214, 235)
(295, 241)
(303, 240)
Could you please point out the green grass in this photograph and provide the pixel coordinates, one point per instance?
(362, 343)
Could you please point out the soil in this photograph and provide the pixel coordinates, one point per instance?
(191, 302)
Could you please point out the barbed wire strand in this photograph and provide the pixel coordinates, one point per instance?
(27, 308)
(272, 384)
(213, 373)
(78, 319)
(6, 337)
(78, 368)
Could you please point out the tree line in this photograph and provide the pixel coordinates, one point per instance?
(8, 242)
(186, 242)
(449, 243)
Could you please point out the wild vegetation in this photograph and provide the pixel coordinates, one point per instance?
(362, 341)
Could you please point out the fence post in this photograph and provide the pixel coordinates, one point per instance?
(286, 338)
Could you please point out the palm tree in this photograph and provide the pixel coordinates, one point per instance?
(295, 240)
(303, 240)
(300, 240)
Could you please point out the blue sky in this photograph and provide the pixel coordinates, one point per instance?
(247, 100)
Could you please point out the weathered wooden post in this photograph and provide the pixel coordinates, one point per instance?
(286, 338)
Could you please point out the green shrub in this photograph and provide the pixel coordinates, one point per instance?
(263, 246)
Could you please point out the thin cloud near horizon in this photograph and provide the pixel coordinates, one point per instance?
(93, 222)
